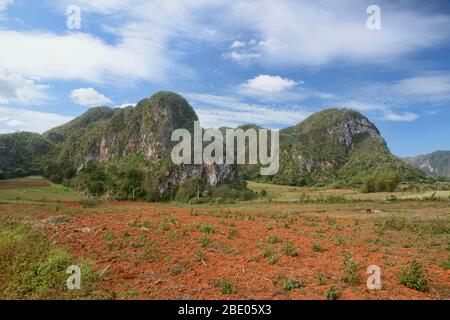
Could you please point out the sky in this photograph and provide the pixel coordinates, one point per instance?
(271, 63)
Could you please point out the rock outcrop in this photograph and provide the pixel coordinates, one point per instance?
(145, 131)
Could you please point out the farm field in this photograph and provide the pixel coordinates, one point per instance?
(274, 248)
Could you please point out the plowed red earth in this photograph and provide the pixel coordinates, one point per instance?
(234, 253)
(23, 184)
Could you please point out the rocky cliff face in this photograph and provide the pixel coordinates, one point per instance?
(436, 164)
(145, 131)
(322, 147)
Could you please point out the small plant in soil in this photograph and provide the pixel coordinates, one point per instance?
(225, 286)
(289, 249)
(273, 239)
(289, 284)
(270, 255)
(350, 275)
(332, 293)
(317, 247)
(233, 234)
(205, 241)
(322, 279)
(207, 228)
(413, 277)
(150, 251)
(200, 256)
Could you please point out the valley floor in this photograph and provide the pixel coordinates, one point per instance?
(259, 250)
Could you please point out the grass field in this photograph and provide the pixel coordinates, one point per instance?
(293, 244)
(296, 194)
(35, 189)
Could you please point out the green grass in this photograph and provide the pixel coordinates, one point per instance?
(446, 265)
(52, 193)
(280, 193)
(31, 267)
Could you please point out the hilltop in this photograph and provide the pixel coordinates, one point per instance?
(334, 147)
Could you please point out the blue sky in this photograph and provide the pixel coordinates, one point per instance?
(267, 62)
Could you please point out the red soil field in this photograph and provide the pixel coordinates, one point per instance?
(151, 251)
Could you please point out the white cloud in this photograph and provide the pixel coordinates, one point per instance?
(147, 34)
(100, 6)
(89, 97)
(317, 33)
(379, 110)
(406, 116)
(79, 56)
(268, 84)
(12, 120)
(17, 89)
(430, 87)
(124, 105)
(434, 87)
(4, 4)
(242, 57)
(237, 44)
(269, 88)
(217, 111)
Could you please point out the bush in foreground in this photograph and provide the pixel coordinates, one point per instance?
(413, 277)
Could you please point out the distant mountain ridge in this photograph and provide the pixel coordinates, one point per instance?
(436, 164)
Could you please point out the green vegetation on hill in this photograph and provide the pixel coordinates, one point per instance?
(93, 115)
(125, 153)
(21, 154)
(336, 148)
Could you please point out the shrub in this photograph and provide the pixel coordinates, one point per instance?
(236, 191)
(413, 277)
(88, 203)
(381, 182)
(195, 201)
(191, 188)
